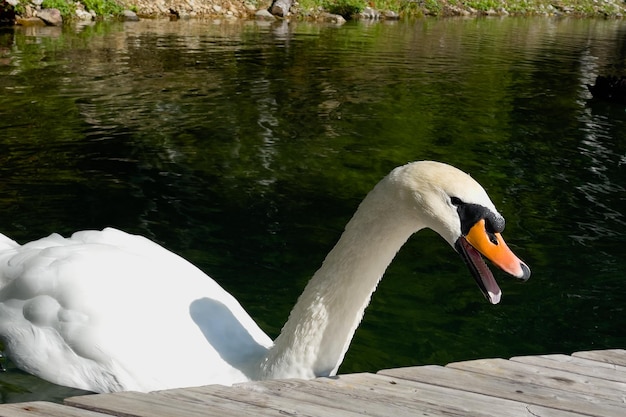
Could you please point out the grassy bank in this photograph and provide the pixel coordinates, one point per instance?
(67, 7)
(587, 8)
(303, 9)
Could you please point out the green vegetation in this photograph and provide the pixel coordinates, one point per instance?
(67, 8)
(103, 7)
(416, 8)
(345, 8)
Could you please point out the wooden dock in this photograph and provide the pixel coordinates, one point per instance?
(586, 383)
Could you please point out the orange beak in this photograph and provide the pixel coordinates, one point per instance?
(492, 246)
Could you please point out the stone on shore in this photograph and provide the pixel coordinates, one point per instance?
(332, 18)
(264, 15)
(130, 16)
(51, 17)
(281, 8)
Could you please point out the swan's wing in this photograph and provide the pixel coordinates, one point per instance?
(108, 311)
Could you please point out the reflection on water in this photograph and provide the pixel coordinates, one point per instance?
(601, 192)
(246, 146)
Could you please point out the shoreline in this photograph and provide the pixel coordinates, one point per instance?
(35, 12)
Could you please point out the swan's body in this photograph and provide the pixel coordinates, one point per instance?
(102, 310)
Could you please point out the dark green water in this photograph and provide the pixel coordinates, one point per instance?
(246, 148)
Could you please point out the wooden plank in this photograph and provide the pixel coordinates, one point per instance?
(586, 383)
(254, 401)
(448, 400)
(134, 404)
(343, 402)
(546, 377)
(356, 398)
(612, 356)
(44, 409)
(209, 396)
(577, 365)
(509, 389)
(206, 396)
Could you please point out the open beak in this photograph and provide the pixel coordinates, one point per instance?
(491, 245)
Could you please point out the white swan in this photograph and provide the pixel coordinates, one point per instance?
(104, 310)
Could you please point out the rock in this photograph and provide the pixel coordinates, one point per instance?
(333, 18)
(280, 8)
(609, 88)
(129, 16)
(390, 15)
(51, 17)
(83, 15)
(451, 10)
(369, 13)
(264, 15)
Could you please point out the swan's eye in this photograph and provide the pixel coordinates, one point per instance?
(470, 214)
(456, 201)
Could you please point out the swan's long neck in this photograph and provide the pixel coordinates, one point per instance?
(321, 325)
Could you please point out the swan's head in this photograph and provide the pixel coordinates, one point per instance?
(454, 205)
